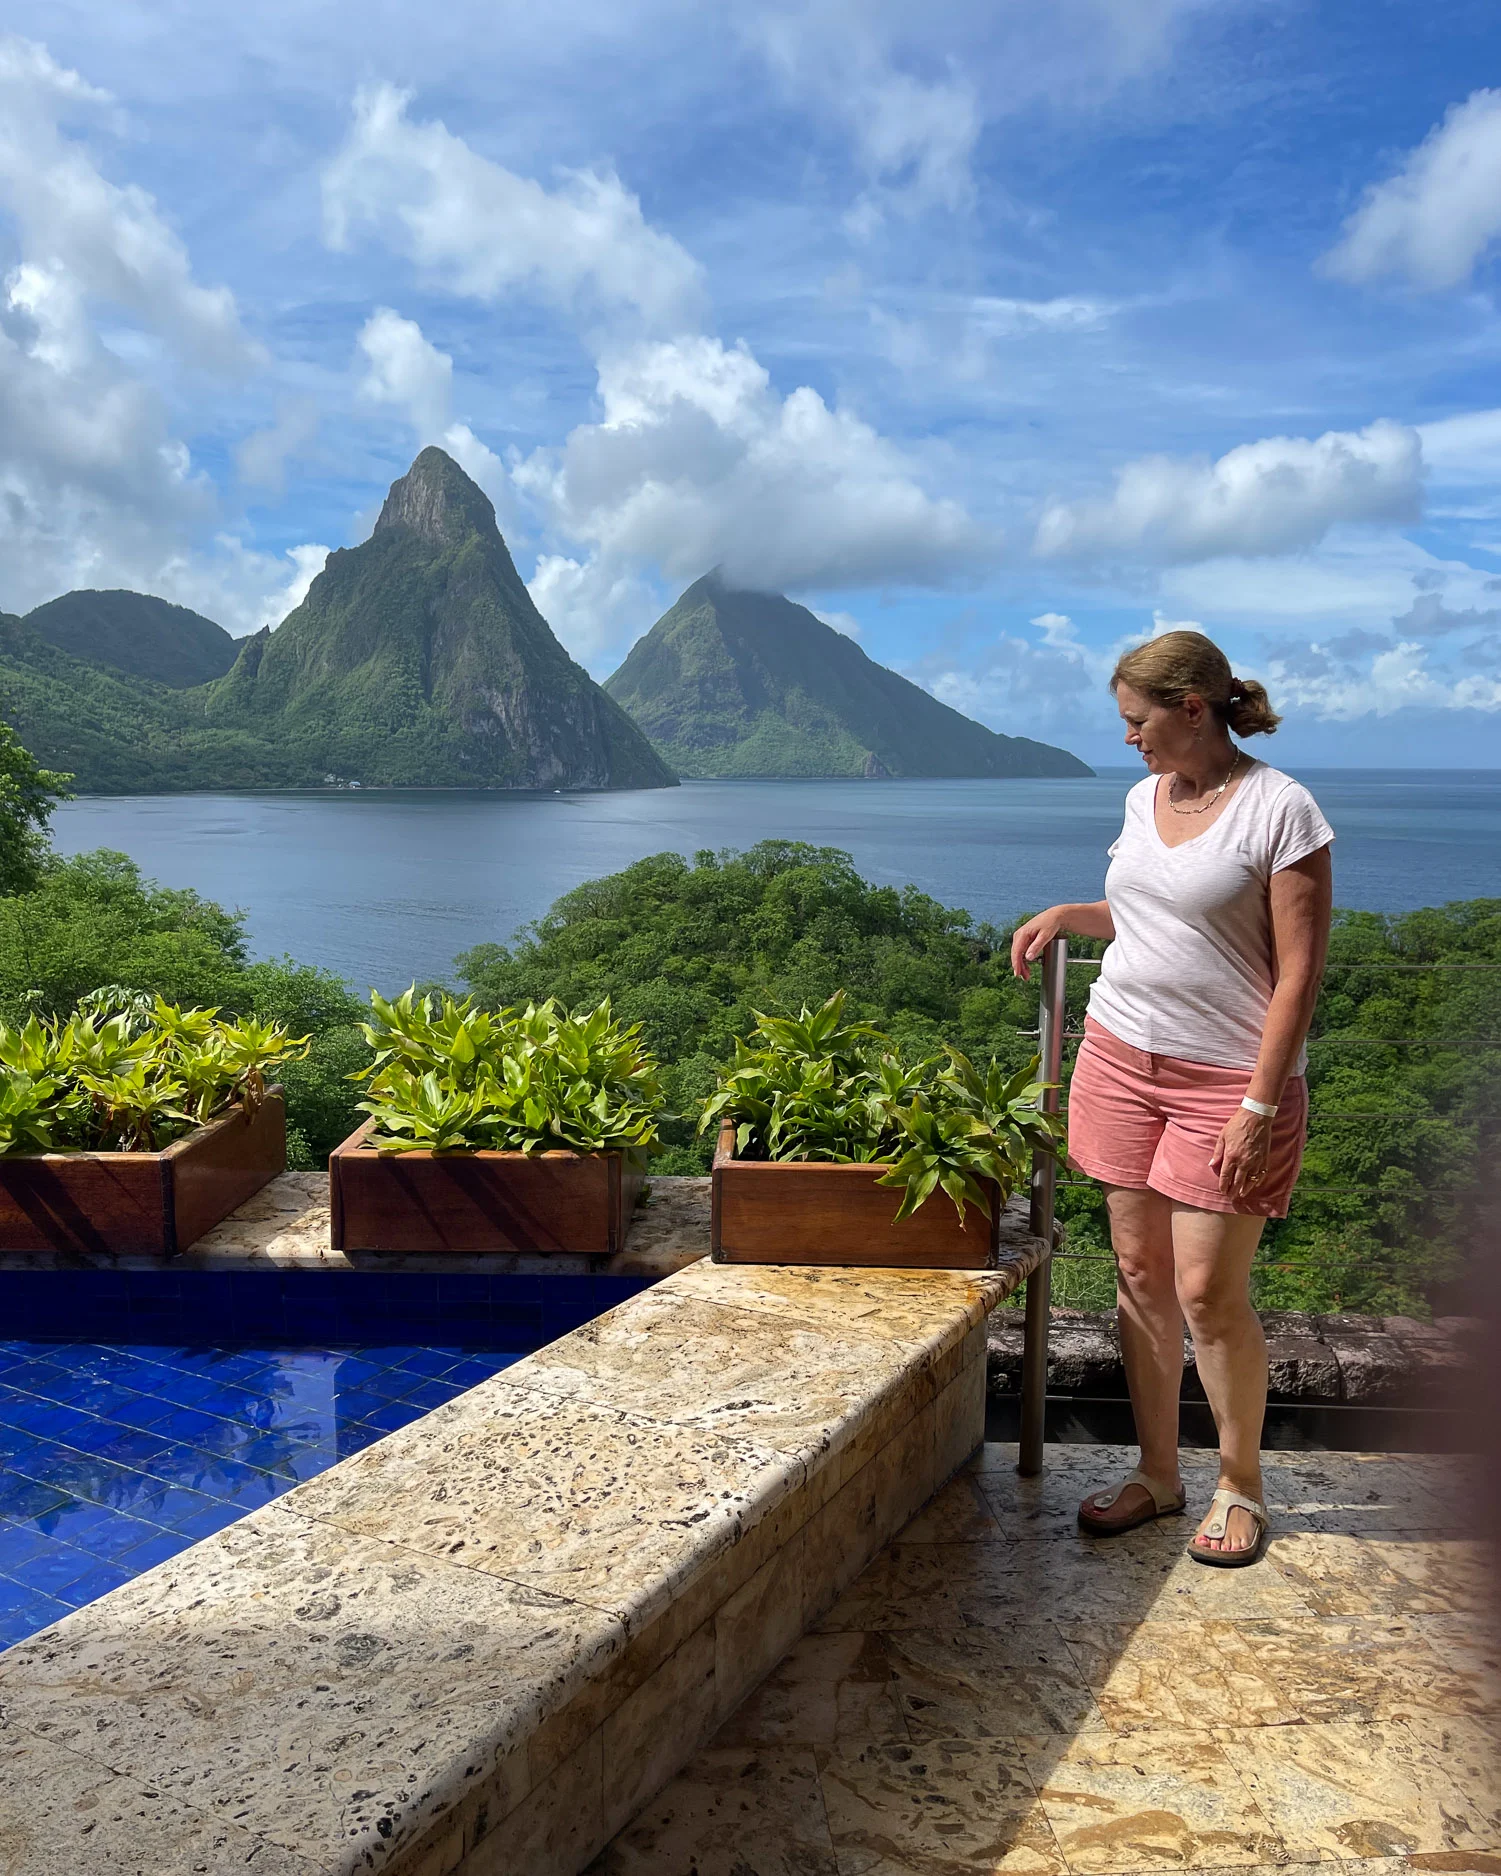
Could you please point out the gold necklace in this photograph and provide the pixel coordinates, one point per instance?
(1235, 764)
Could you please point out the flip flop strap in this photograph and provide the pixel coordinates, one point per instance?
(1160, 1498)
(1223, 1503)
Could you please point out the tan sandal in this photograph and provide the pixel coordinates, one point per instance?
(1220, 1507)
(1164, 1504)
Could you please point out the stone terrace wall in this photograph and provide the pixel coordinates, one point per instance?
(1369, 1361)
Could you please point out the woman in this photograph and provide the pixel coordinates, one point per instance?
(1188, 1100)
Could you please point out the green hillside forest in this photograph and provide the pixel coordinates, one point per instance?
(1392, 1200)
(417, 659)
(736, 683)
(137, 635)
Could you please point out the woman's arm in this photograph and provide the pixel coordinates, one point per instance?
(1302, 899)
(1029, 941)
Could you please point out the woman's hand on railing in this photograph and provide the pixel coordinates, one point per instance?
(1029, 941)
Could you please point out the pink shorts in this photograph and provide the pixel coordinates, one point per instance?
(1143, 1120)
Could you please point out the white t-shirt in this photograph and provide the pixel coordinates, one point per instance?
(1189, 973)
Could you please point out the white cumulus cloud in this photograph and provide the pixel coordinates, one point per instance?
(1431, 222)
(1269, 497)
(698, 461)
(483, 231)
(100, 319)
(405, 369)
(92, 237)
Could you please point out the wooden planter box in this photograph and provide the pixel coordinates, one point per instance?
(434, 1202)
(814, 1212)
(142, 1203)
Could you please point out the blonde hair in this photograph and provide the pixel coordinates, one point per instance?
(1182, 664)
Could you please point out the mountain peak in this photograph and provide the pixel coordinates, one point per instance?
(438, 502)
(732, 682)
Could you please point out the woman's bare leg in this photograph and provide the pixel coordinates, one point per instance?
(1212, 1253)
(1151, 1326)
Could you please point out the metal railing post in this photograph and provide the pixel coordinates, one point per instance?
(1034, 1387)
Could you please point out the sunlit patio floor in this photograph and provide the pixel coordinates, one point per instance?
(997, 1693)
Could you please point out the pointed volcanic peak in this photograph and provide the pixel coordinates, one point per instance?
(137, 634)
(729, 682)
(419, 660)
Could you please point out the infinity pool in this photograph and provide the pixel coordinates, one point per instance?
(114, 1458)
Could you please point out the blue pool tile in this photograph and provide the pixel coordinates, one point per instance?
(24, 1612)
(212, 1518)
(430, 1394)
(429, 1362)
(395, 1414)
(152, 1550)
(117, 1450)
(97, 1581)
(23, 1499)
(356, 1436)
(144, 1411)
(20, 1542)
(82, 1524)
(131, 1446)
(110, 1536)
(53, 1569)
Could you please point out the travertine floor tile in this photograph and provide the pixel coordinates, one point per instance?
(580, 1500)
(1469, 1750)
(977, 1683)
(1350, 1496)
(730, 1812)
(903, 1587)
(1158, 1675)
(744, 1372)
(1469, 1645)
(958, 1514)
(830, 1687)
(1359, 1668)
(328, 1747)
(1390, 1574)
(65, 1815)
(1139, 1577)
(934, 1808)
(1149, 1802)
(850, 1298)
(1343, 1789)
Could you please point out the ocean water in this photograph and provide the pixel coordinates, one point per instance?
(387, 886)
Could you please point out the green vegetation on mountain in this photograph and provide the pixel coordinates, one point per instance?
(417, 660)
(137, 634)
(737, 683)
(1402, 1135)
(120, 736)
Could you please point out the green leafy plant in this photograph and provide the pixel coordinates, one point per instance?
(815, 1087)
(129, 1074)
(450, 1077)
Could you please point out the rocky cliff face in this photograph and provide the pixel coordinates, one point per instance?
(736, 683)
(419, 659)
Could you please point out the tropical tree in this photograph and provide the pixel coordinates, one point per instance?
(28, 794)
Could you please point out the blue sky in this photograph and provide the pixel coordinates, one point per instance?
(999, 334)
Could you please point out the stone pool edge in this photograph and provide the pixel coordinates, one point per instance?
(483, 1644)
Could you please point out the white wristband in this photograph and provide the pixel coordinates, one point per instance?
(1266, 1109)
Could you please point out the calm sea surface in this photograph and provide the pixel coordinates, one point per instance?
(384, 887)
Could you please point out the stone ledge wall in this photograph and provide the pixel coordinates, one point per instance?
(1368, 1361)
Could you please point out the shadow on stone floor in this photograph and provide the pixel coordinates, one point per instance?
(996, 1692)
